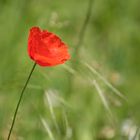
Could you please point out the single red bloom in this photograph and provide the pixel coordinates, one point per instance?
(46, 48)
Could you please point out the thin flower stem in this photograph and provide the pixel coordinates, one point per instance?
(18, 104)
(83, 30)
(80, 41)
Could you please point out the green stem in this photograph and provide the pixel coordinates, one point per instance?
(83, 30)
(81, 36)
(19, 101)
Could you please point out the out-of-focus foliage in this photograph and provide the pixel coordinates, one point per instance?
(64, 102)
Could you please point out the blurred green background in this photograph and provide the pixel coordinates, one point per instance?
(72, 101)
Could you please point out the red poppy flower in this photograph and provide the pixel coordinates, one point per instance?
(46, 48)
